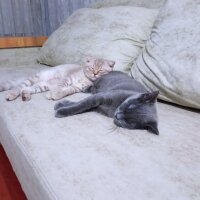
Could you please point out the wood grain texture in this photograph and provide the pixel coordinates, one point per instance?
(16, 42)
(10, 188)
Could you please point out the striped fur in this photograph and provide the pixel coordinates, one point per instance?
(60, 81)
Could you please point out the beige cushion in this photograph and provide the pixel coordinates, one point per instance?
(170, 60)
(116, 33)
(18, 56)
(141, 3)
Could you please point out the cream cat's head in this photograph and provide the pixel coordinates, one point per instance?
(95, 67)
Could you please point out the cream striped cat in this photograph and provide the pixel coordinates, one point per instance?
(60, 81)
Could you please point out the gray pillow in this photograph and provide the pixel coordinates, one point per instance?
(115, 33)
(170, 60)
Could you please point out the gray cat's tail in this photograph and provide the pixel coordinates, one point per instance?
(11, 84)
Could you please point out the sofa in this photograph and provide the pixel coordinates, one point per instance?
(85, 156)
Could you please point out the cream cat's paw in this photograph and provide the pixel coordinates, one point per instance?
(54, 95)
(26, 95)
(48, 95)
(12, 95)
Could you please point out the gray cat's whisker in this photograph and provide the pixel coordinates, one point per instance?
(113, 129)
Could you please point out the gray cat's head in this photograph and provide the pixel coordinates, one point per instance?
(138, 112)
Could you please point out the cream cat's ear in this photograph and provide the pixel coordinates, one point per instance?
(88, 59)
(111, 63)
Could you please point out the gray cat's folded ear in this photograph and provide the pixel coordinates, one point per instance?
(150, 96)
(152, 127)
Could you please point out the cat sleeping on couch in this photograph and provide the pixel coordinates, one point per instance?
(60, 81)
(120, 97)
(115, 94)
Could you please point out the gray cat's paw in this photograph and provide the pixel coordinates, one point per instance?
(63, 103)
(60, 113)
(12, 95)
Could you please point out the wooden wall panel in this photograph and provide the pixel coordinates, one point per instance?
(59, 10)
(33, 20)
(36, 17)
(12, 42)
(7, 17)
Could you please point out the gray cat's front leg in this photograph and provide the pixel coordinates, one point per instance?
(71, 109)
(63, 103)
(67, 108)
(112, 98)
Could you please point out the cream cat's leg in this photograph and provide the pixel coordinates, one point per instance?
(15, 87)
(13, 94)
(61, 92)
(37, 88)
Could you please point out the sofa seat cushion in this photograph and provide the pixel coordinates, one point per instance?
(116, 33)
(86, 157)
(19, 56)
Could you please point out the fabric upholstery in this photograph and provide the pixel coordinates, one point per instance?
(170, 61)
(116, 33)
(85, 157)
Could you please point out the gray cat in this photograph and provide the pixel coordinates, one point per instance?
(120, 97)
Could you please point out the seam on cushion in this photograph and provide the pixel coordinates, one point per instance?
(172, 94)
(36, 170)
(152, 82)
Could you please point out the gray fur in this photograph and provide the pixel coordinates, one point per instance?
(120, 97)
